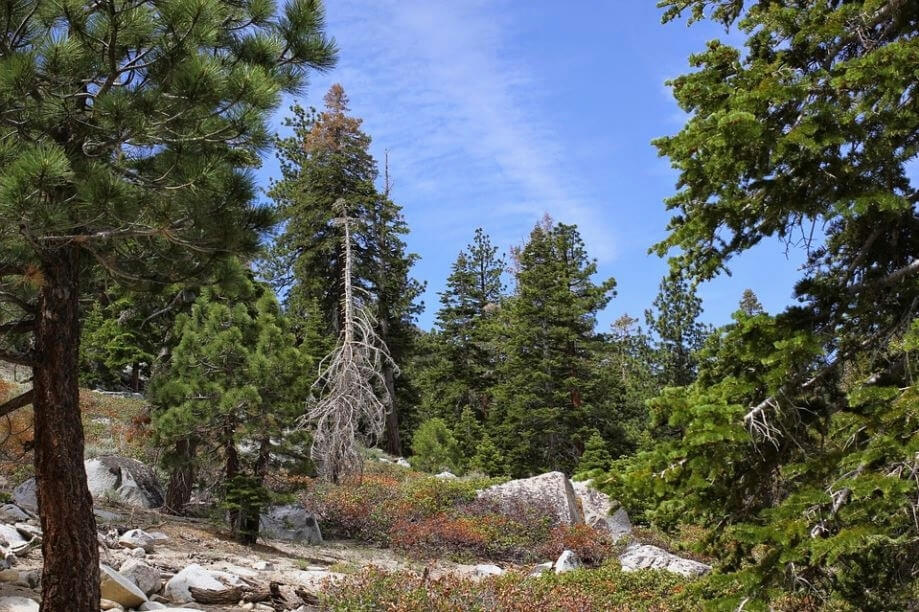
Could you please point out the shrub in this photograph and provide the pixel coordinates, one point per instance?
(434, 448)
(607, 588)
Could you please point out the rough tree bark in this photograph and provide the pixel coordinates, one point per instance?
(70, 576)
(178, 491)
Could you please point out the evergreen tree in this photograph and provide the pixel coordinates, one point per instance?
(466, 352)
(595, 456)
(488, 458)
(795, 447)
(675, 321)
(630, 365)
(325, 160)
(433, 447)
(233, 387)
(127, 134)
(548, 394)
(750, 304)
(468, 433)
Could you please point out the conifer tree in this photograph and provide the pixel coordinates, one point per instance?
(679, 333)
(794, 445)
(488, 458)
(468, 433)
(596, 456)
(547, 393)
(234, 387)
(461, 370)
(125, 136)
(750, 304)
(327, 158)
(434, 447)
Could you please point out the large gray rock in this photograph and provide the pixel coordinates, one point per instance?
(177, 589)
(145, 577)
(290, 522)
(601, 512)
(12, 513)
(111, 477)
(26, 495)
(552, 490)
(644, 556)
(18, 604)
(137, 538)
(119, 589)
(125, 479)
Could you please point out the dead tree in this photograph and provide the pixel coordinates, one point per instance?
(350, 397)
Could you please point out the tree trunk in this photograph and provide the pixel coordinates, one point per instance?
(393, 440)
(135, 377)
(231, 463)
(182, 478)
(70, 576)
(250, 524)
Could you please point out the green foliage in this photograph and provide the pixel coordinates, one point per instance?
(548, 391)
(325, 160)
(434, 448)
(461, 372)
(607, 588)
(234, 386)
(680, 335)
(488, 458)
(595, 456)
(468, 433)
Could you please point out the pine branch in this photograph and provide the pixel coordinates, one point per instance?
(16, 357)
(12, 298)
(20, 401)
(17, 327)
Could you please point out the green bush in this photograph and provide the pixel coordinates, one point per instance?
(434, 447)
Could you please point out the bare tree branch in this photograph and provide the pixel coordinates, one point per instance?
(353, 399)
(20, 401)
(17, 358)
(17, 327)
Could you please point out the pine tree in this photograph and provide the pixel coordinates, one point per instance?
(488, 458)
(233, 387)
(675, 321)
(750, 304)
(547, 392)
(466, 353)
(127, 132)
(468, 433)
(433, 447)
(327, 159)
(794, 447)
(596, 456)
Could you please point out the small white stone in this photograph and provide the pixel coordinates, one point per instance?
(566, 562)
(486, 569)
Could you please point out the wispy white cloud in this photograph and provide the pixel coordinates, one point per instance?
(441, 84)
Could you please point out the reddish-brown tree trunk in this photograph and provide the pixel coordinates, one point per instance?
(182, 478)
(70, 576)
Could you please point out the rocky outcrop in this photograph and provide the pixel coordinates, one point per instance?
(290, 522)
(26, 495)
(601, 512)
(112, 477)
(18, 604)
(128, 480)
(644, 556)
(552, 490)
(145, 577)
(119, 589)
(137, 538)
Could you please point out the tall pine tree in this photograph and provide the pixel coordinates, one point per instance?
(325, 160)
(548, 400)
(126, 136)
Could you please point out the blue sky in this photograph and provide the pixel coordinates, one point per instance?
(498, 111)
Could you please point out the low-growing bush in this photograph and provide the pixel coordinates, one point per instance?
(430, 518)
(606, 588)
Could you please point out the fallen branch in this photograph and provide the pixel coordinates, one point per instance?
(229, 595)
